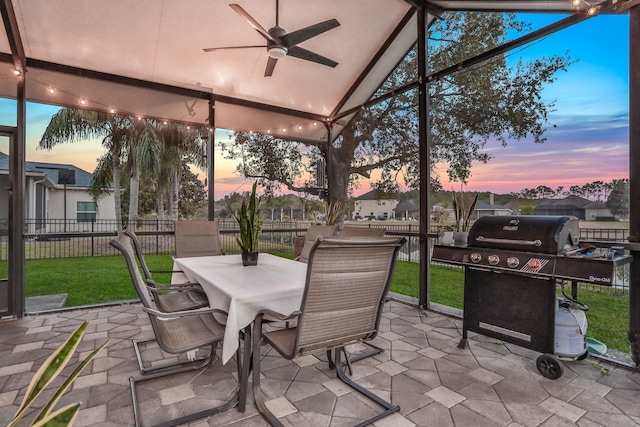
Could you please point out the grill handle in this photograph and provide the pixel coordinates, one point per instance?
(510, 241)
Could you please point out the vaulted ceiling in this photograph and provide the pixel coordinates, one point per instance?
(147, 57)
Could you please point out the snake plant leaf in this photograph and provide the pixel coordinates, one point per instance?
(63, 388)
(49, 370)
(63, 417)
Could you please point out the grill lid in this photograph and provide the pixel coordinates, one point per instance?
(540, 234)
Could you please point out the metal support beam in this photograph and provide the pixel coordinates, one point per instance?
(211, 140)
(329, 163)
(634, 180)
(423, 139)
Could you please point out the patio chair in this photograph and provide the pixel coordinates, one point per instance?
(197, 238)
(148, 273)
(177, 332)
(346, 287)
(167, 299)
(304, 243)
(361, 232)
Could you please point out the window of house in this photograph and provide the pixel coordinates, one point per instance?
(86, 211)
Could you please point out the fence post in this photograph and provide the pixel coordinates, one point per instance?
(157, 236)
(93, 223)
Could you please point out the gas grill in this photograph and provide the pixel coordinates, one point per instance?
(512, 265)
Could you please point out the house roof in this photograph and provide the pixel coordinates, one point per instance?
(52, 171)
(577, 201)
(377, 195)
(405, 206)
(147, 58)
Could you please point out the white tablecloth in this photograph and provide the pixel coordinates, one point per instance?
(276, 283)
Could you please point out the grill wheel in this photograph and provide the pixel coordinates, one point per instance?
(549, 366)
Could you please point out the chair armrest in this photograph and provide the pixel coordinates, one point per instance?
(173, 286)
(195, 312)
(274, 315)
(166, 271)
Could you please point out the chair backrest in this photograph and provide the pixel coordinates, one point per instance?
(137, 247)
(122, 242)
(197, 238)
(313, 232)
(346, 287)
(362, 232)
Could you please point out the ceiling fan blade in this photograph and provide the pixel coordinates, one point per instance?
(211, 49)
(271, 64)
(306, 33)
(256, 26)
(305, 54)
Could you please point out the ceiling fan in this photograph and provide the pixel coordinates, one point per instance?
(280, 43)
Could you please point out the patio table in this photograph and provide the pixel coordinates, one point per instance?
(276, 284)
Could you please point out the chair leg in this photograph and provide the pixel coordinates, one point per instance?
(146, 369)
(375, 350)
(187, 418)
(258, 397)
(389, 408)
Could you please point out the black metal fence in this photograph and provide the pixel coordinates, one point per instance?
(92, 239)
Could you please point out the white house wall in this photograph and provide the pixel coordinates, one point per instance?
(55, 209)
(377, 208)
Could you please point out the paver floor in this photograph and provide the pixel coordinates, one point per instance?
(422, 369)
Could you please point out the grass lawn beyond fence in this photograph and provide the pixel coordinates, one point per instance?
(95, 280)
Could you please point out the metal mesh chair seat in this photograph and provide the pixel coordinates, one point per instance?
(181, 334)
(197, 238)
(177, 301)
(362, 232)
(310, 237)
(346, 287)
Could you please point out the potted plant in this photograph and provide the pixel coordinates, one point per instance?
(462, 214)
(46, 375)
(250, 222)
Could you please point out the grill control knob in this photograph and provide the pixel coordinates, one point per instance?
(493, 259)
(475, 257)
(513, 262)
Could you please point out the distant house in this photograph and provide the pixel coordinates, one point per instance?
(576, 206)
(483, 208)
(375, 205)
(406, 211)
(55, 192)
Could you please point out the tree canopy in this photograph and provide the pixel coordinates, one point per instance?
(492, 101)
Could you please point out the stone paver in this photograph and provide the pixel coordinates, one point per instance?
(422, 370)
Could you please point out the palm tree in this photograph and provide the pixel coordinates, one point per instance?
(179, 143)
(70, 125)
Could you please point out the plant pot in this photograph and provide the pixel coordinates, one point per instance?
(460, 238)
(249, 258)
(446, 238)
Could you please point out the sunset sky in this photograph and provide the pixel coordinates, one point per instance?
(589, 142)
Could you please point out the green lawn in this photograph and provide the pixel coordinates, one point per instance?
(105, 279)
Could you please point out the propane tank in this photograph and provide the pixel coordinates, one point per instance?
(570, 328)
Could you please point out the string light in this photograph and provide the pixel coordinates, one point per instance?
(591, 11)
(17, 72)
(51, 90)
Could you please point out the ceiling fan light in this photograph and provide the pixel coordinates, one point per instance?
(277, 52)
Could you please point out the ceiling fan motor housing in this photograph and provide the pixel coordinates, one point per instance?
(275, 47)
